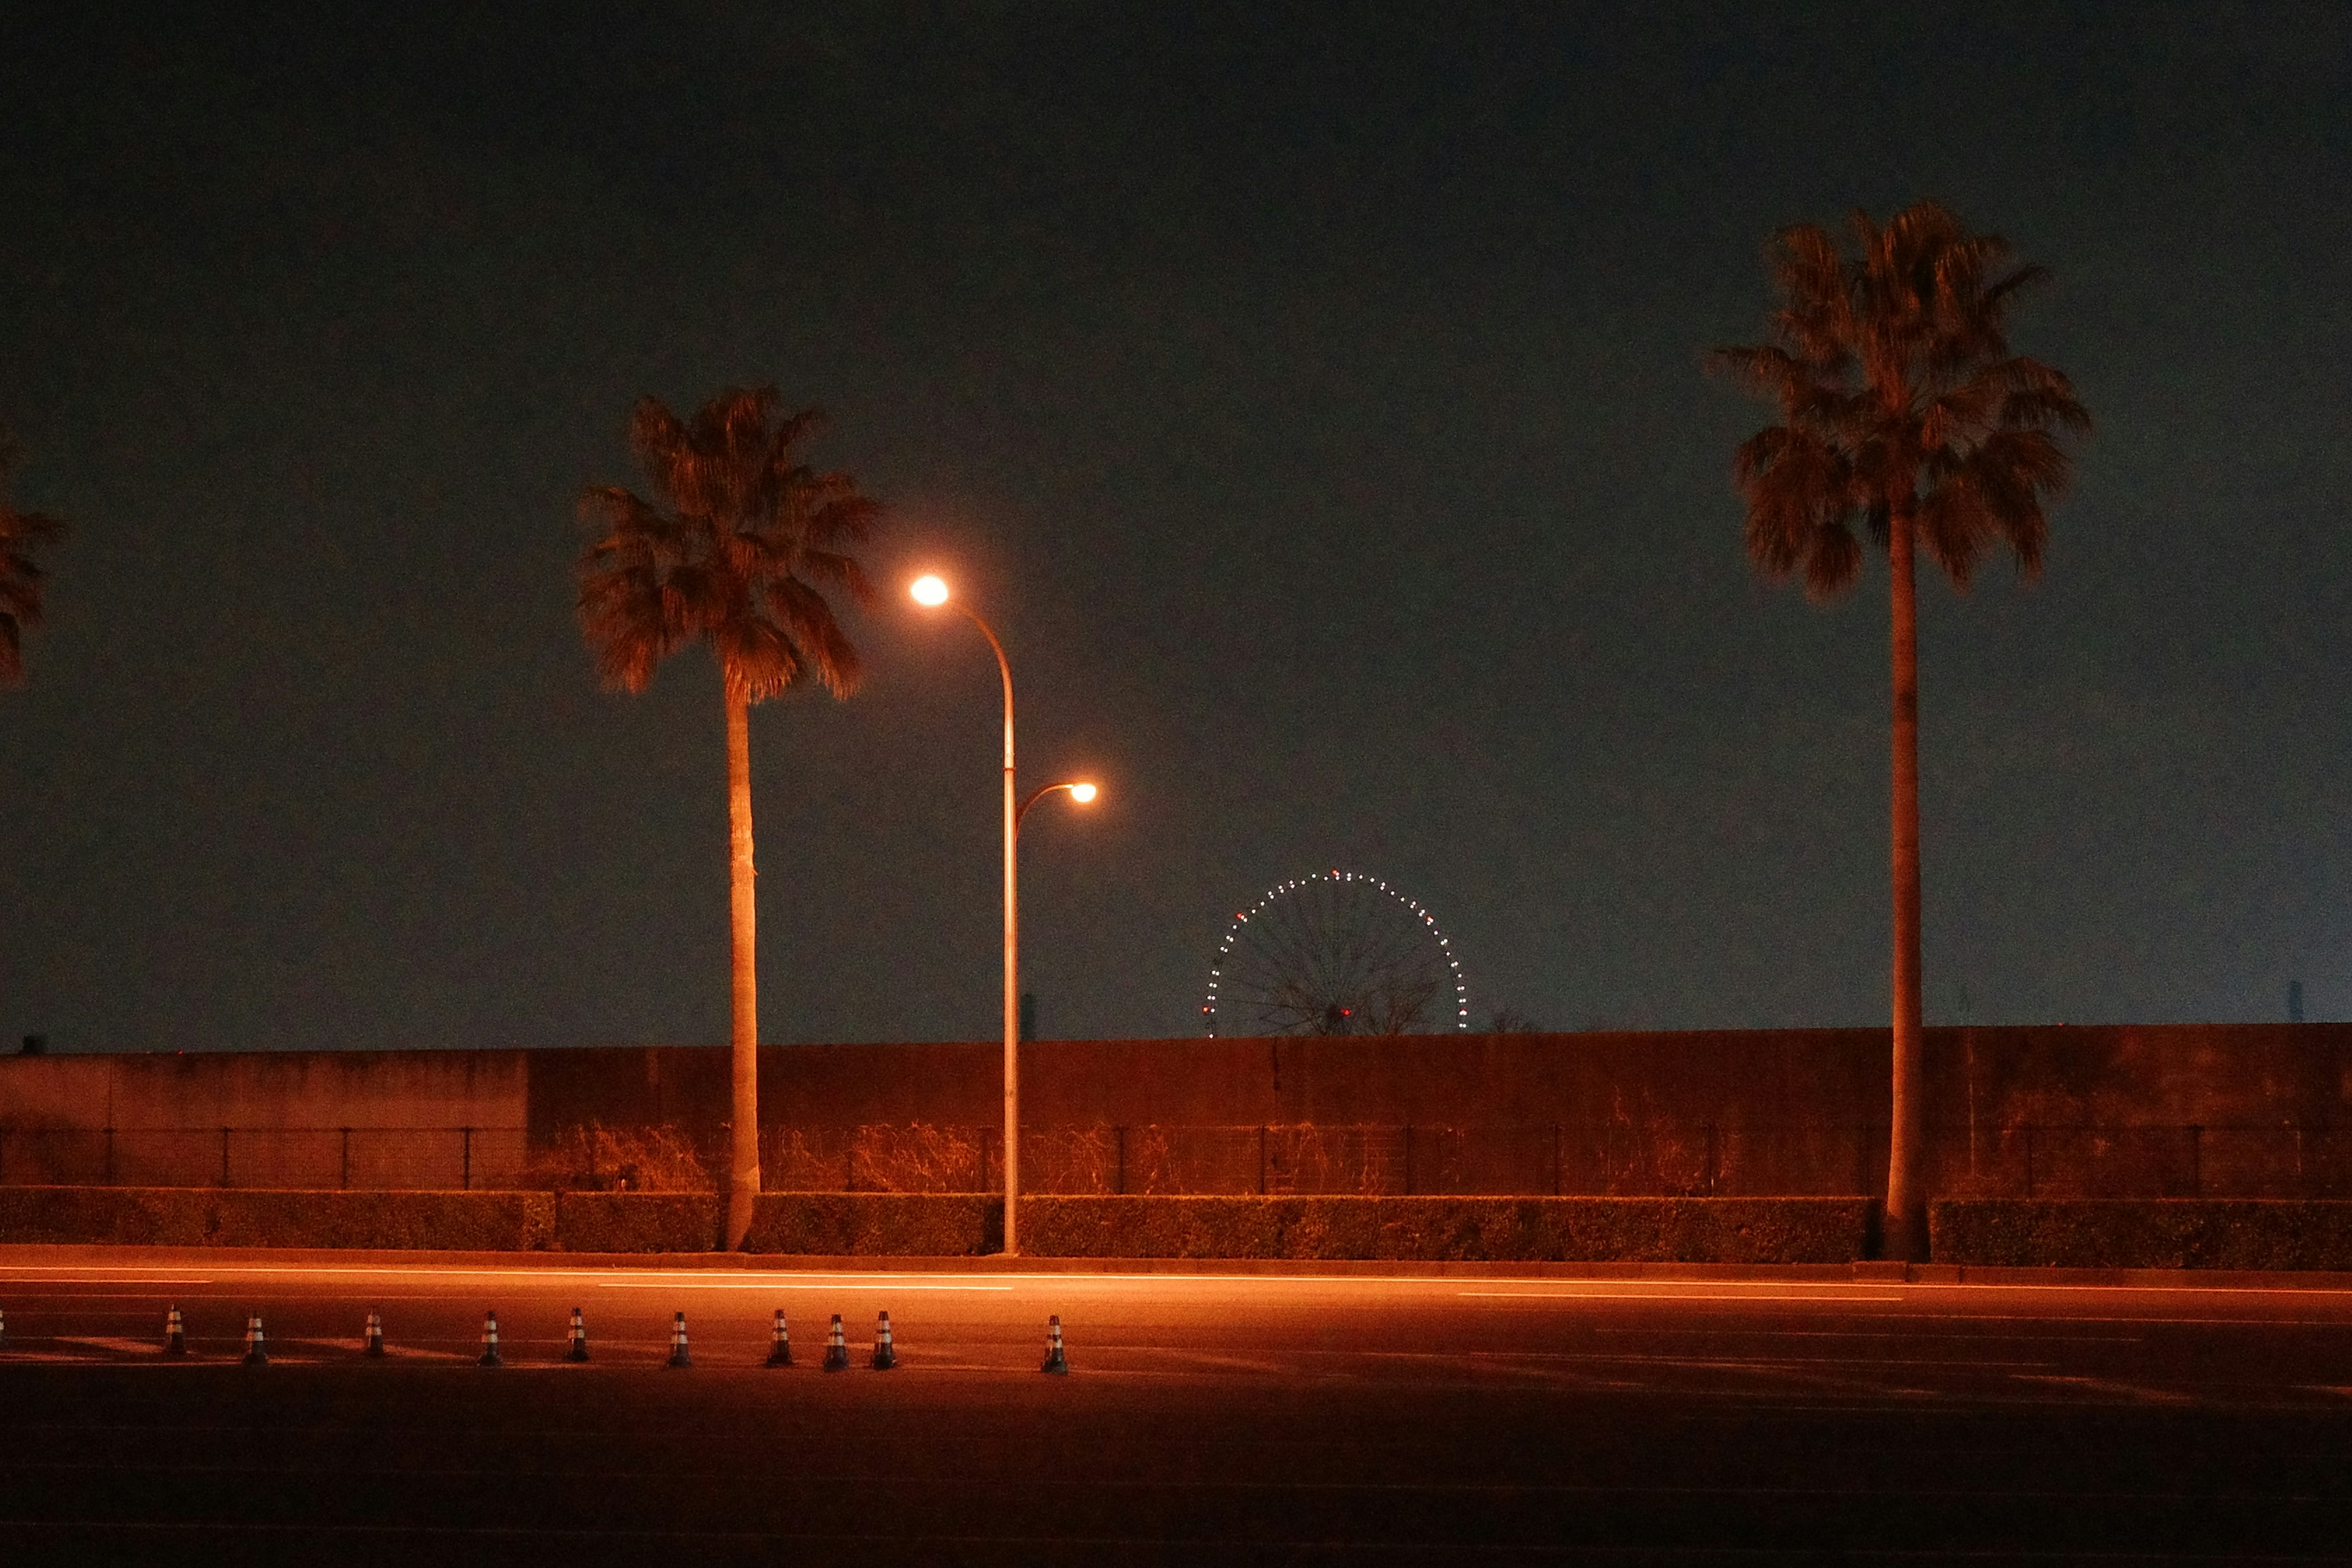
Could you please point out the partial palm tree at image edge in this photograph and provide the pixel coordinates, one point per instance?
(22, 580)
(736, 553)
(1902, 407)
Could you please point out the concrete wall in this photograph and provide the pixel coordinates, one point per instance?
(2260, 1075)
(257, 1089)
(2254, 1075)
(2238, 1109)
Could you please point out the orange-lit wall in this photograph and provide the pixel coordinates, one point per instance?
(2273, 1076)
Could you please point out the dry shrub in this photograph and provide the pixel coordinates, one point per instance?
(794, 1160)
(1308, 1158)
(916, 1158)
(1070, 1160)
(1150, 1164)
(595, 1157)
(875, 1158)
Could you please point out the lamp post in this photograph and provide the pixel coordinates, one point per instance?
(931, 592)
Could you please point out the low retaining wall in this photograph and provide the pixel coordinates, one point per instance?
(2165, 1233)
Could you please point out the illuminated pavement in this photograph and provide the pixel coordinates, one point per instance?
(1208, 1420)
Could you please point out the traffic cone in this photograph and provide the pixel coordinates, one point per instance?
(885, 1357)
(780, 1353)
(4, 1328)
(374, 1347)
(1055, 1361)
(257, 1354)
(837, 1348)
(677, 1356)
(175, 1334)
(490, 1340)
(579, 1350)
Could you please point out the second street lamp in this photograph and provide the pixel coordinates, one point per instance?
(931, 593)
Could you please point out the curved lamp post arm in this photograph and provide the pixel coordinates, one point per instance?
(1004, 668)
(1042, 790)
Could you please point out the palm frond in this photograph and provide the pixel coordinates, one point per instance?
(21, 578)
(1898, 396)
(722, 554)
(804, 610)
(1800, 503)
(760, 661)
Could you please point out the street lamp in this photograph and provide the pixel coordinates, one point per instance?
(930, 592)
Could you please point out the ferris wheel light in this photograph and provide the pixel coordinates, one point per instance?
(1244, 988)
(929, 591)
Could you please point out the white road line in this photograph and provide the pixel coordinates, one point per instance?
(1657, 1296)
(1724, 1333)
(2108, 1385)
(111, 1279)
(770, 1284)
(2086, 1318)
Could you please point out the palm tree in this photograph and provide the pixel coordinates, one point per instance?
(21, 533)
(736, 553)
(1903, 406)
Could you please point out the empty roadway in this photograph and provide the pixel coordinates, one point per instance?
(1208, 1418)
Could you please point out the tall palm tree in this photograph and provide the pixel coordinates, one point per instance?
(1902, 407)
(736, 553)
(21, 533)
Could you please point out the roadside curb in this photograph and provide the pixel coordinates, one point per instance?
(34, 1255)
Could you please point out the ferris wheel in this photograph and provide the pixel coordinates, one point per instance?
(1340, 953)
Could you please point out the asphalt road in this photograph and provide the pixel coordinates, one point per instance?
(1205, 1420)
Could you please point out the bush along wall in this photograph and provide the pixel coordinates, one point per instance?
(637, 1222)
(1452, 1229)
(204, 1216)
(883, 1224)
(880, 1224)
(2149, 1233)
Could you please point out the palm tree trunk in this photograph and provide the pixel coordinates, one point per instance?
(744, 1181)
(1905, 1233)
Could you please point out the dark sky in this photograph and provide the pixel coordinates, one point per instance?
(1313, 399)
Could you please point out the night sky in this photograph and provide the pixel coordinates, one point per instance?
(1312, 396)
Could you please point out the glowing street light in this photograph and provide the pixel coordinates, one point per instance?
(1080, 790)
(931, 592)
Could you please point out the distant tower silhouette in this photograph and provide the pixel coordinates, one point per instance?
(2295, 1001)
